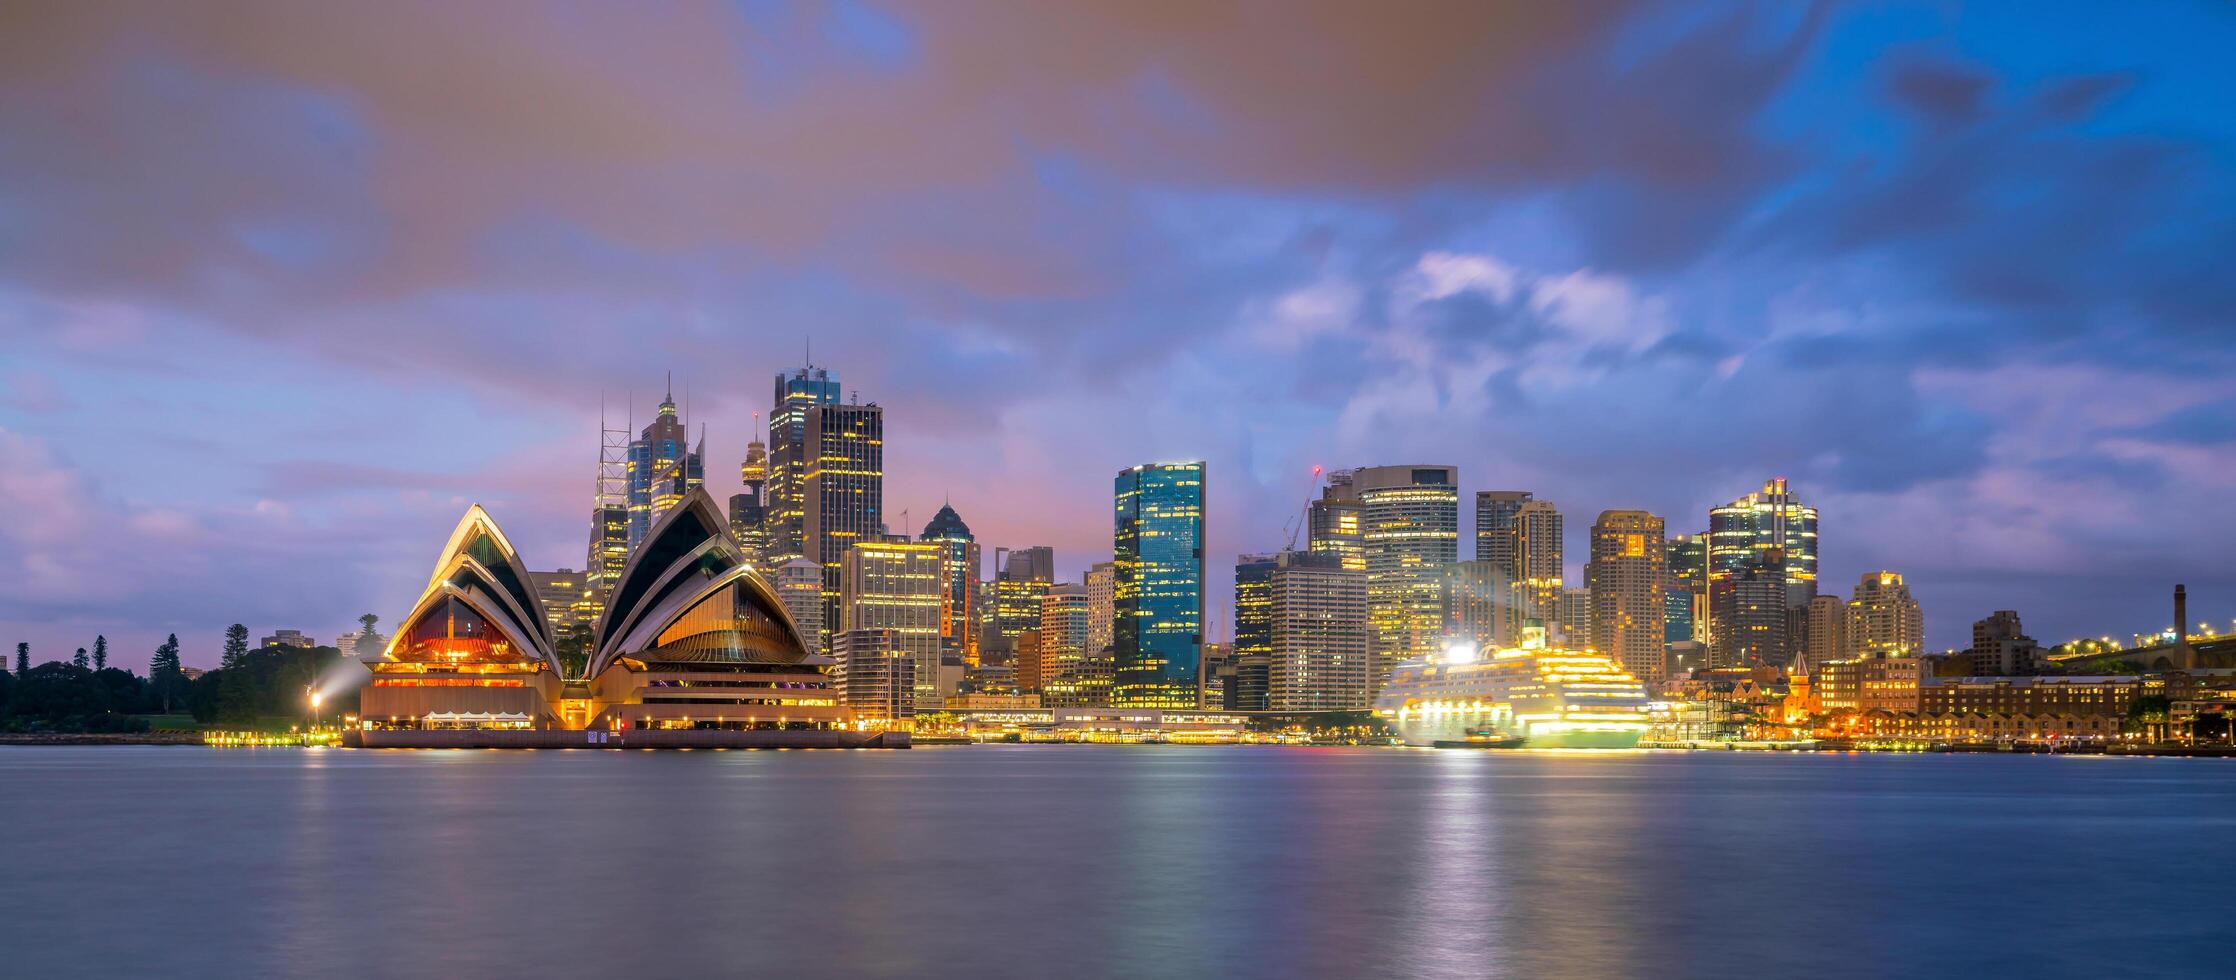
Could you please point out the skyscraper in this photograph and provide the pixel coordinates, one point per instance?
(1334, 524)
(1628, 570)
(608, 552)
(1019, 586)
(799, 585)
(1883, 620)
(959, 587)
(1062, 633)
(1253, 627)
(1747, 529)
(1411, 521)
(1482, 604)
(1688, 589)
(844, 490)
(1749, 610)
(1825, 630)
(1768, 531)
(1157, 554)
(894, 584)
(1496, 538)
(1538, 557)
(1102, 607)
(662, 468)
(796, 392)
(749, 518)
(1317, 632)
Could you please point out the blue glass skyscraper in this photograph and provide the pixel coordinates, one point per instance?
(1157, 558)
(663, 467)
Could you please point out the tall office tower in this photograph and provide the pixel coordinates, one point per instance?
(749, 514)
(1316, 616)
(796, 392)
(1746, 530)
(662, 468)
(1575, 619)
(1687, 591)
(894, 584)
(1411, 531)
(1019, 585)
(1626, 576)
(1748, 608)
(1496, 538)
(2001, 648)
(844, 489)
(1218, 676)
(875, 674)
(1253, 628)
(1883, 620)
(559, 591)
(1481, 604)
(1334, 522)
(1157, 553)
(799, 585)
(1538, 532)
(1824, 630)
(608, 552)
(1102, 606)
(1063, 631)
(958, 613)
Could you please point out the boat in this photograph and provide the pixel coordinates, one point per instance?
(1545, 696)
(1484, 740)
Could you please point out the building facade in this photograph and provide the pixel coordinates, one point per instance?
(844, 489)
(1482, 604)
(663, 467)
(1539, 560)
(1157, 557)
(893, 585)
(799, 586)
(1335, 523)
(1628, 571)
(959, 584)
(1411, 520)
(1763, 535)
(1318, 650)
(1883, 620)
(797, 391)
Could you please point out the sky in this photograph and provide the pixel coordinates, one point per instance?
(285, 286)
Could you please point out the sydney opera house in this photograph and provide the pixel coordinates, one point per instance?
(693, 651)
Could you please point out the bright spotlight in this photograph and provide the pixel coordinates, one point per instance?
(1459, 652)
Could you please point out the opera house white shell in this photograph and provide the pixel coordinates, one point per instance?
(693, 650)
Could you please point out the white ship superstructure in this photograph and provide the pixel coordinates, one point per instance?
(1552, 697)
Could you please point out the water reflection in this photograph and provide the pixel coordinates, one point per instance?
(1090, 861)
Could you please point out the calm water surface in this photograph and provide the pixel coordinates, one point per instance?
(1089, 861)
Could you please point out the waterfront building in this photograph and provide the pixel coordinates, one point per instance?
(1539, 564)
(1218, 676)
(693, 649)
(1411, 521)
(1869, 684)
(1026, 663)
(1318, 641)
(893, 584)
(1335, 523)
(1482, 603)
(1253, 628)
(663, 466)
(749, 513)
(1087, 686)
(797, 391)
(1883, 620)
(1624, 581)
(1096, 723)
(2000, 647)
(1157, 553)
(875, 675)
(1102, 606)
(1824, 637)
(799, 586)
(843, 489)
(2066, 696)
(288, 638)
(959, 584)
(1020, 584)
(1497, 540)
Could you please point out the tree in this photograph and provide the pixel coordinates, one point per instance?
(236, 647)
(164, 673)
(100, 653)
(23, 659)
(80, 659)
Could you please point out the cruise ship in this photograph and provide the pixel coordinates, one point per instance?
(1545, 696)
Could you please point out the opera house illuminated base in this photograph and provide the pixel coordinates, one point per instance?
(693, 651)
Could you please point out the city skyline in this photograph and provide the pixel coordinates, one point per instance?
(246, 313)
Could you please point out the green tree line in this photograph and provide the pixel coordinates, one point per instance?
(85, 694)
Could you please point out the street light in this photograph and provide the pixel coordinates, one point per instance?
(316, 700)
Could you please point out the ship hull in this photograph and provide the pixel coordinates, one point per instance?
(1428, 731)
